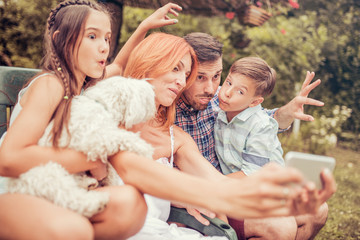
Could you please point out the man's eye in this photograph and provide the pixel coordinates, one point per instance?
(200, 77)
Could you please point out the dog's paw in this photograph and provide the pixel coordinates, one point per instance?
(93, 203)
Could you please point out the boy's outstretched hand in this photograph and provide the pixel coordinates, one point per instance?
(295, 108)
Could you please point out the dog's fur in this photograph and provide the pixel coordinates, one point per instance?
(94, 130)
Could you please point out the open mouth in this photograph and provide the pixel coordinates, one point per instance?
(102, 63)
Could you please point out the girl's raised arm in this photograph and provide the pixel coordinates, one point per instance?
(158, 19)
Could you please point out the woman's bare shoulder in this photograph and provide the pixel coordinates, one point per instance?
(181, 135)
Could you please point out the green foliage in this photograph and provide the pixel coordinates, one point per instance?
(292, 47)
(340, 68)
(319, 136)
(22, 26)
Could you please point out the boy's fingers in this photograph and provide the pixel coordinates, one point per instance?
(308, 88)
(308, 78)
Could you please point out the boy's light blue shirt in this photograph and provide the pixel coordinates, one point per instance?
(248, 142)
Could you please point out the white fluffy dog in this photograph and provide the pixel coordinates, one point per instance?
(94, 128)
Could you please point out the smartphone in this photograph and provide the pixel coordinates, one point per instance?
(310, 165)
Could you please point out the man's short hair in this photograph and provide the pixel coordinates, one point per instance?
(206, 47)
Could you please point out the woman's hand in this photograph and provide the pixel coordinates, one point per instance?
(160, 17)
(311, 198)
(275, 191)
(99, 172)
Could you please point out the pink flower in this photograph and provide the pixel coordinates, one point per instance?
(230, 15)
(232, 55)
(294, 4)
(283, 31)
(259, 4)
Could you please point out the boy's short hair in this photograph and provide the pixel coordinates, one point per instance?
(258, 70)
(206, 47)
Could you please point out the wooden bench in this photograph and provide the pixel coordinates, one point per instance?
(12, 79)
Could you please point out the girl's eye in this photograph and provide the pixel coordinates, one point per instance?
(107, 39)
(92, 36)
(228, 82)
(240, 92)
(176, 69)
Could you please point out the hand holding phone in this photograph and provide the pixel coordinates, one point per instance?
(310, 165)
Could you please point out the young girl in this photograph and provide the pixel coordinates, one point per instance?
(171, 65)
(77, 46)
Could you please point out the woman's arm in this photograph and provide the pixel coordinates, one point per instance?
(189, 159)
(19, 151)
(258, 195)
(158, 19)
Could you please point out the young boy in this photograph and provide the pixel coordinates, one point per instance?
(245, 136)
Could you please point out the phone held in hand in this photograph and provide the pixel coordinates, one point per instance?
(310, 165)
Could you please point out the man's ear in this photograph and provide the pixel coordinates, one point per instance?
(54, 34)
(256, 101)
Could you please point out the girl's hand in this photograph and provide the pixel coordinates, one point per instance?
(99, 172)
(159, 18)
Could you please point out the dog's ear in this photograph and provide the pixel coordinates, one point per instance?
(141, 105)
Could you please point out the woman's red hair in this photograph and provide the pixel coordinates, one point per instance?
(156, 55)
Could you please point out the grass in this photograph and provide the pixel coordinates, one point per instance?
(344, 206)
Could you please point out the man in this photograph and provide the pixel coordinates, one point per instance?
(196, 112)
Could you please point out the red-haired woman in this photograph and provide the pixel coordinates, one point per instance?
(171, 66)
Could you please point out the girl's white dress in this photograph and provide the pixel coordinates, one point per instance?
(156, 227)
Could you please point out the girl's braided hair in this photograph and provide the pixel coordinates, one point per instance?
(65, 26)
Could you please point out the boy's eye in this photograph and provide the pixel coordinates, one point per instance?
(228, 82)
(216, 76)
(240, 92)
(176, 69)
(200, 77)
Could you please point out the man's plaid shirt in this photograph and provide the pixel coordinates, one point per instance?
(200, 126)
